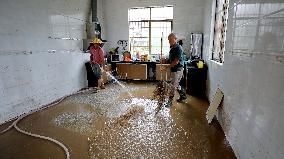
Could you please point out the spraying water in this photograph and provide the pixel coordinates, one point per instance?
(119, 83)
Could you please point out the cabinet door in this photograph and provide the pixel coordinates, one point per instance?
(163, 75)
(137, 71)
(122, 70)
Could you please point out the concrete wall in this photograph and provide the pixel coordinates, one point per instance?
(188, 17)
(40, 52)
(251, 77)
(101, 17)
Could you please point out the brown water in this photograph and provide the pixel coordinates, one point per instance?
(86, 124)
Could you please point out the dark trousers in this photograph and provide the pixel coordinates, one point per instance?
(92, 79)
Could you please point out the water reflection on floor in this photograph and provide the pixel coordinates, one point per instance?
(86, 124)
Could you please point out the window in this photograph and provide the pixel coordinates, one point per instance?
(261, 33)
(220, 29)
(149, 29)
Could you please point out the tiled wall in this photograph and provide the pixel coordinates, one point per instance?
(251, 77)
(40, 52)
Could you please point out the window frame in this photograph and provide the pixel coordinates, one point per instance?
(150, 21)
(224, 23)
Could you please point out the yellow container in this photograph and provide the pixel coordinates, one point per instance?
(200, 64)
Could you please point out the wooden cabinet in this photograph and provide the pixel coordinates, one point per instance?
(122, 70)
(196, 81)
(137, 72)
(163, 75)
(132, 71)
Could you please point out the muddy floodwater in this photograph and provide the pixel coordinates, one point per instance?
(118, 122)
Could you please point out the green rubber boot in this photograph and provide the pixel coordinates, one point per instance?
(169, 103)
(182, 95)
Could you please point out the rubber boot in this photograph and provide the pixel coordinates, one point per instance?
(182, 95)
(169, 102)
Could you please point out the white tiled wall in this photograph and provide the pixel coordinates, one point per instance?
(188, 17)
(40, 52)
(251, 77)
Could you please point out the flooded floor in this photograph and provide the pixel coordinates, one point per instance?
(118, 122)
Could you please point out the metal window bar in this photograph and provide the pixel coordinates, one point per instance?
(220, 29)
(138, 32)
(134, 26)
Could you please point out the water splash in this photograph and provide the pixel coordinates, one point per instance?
(119, 83)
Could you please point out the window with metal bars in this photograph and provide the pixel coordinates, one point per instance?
(149, 28)
(220, 29)
(254, 32)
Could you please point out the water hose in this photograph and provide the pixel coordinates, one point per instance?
(18, 118)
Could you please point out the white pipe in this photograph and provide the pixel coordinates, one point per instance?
(14, 124)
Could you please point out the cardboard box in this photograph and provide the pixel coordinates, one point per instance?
(163, 75)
